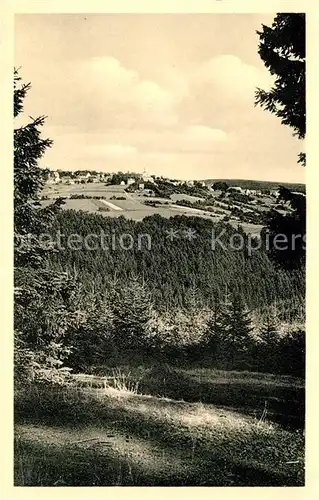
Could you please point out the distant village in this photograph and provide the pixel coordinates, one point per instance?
(140, 181)
(83, 177)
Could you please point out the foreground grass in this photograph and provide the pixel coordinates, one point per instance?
(247, 392)
(102, 437)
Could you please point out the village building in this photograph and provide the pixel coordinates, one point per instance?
(68, 180)
(82, 178)
(147, 177)
(237, 189)
(102, 177)
(53, 178)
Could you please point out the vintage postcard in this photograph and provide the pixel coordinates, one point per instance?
(159, 228)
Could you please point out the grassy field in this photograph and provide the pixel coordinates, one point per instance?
(177, 197)
(132, 207)
(159, 426)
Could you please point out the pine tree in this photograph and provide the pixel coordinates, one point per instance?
(282, 49)
(43, 299)
(217, 341)
(237, 330)
(269, 348)
(269, 333)
(30, 219)
(132, 312)
(215, 325)
(91, 337)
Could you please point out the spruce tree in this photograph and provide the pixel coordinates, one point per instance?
(215, 340)
(269, 348)
(30, 218)
(237, 330)
(43, 299)
(269, 333)
(132, 312)
(282, 48)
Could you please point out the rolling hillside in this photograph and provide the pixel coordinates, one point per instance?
(258, 185)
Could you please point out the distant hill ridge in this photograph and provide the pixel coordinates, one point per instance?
(258, 185)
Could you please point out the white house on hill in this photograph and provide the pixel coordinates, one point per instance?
(53, 178)
(238, 189)
(147, 177)
(83, 177)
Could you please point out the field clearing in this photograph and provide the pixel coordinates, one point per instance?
(84, 204)
(110, 205)
(187, 197)
(168, 211)
(120, 436)
(132, 207)
(90, 189)
(129, 204)
(253, 229)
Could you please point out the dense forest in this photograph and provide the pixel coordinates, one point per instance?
(165, 299)
(174, 268)
(158, 288)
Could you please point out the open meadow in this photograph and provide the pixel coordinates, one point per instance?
(160, 426)
(117, 202)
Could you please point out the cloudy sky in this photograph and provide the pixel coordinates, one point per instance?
(169, 93)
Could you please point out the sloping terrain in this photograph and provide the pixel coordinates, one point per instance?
(100, 437)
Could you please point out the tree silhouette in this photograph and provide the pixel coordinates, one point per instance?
(132, 312)
(282, 49)
(43, 299)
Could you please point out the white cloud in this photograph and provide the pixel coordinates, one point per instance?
(229, 75)
(140, 101)
(110, 150)
(173, 94)
(202, 135)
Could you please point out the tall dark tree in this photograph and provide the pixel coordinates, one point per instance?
(237, 330)
(228, 337)
(282, 49)
(269, 333)
(43, 299)
(290, 227)
(214, 339)
(132, 312)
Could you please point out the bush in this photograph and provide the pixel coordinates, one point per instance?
(292, 350)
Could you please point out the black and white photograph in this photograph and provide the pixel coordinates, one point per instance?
(159, 249)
